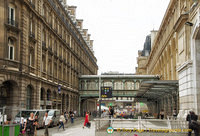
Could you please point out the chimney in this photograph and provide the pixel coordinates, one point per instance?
(85, 31)
(79, 23)
(72, 9)
(65, 2)
(91, 43)
(88, 37)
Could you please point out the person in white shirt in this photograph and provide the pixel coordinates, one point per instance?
(46, 121)
(62, 121)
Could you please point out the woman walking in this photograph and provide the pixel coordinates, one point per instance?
(86, 123)
(30, 125)
(62, 121)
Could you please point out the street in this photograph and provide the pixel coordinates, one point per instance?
(71, 130)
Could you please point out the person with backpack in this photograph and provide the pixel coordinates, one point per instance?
(193, 124)
(30, 125)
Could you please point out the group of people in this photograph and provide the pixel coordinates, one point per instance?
(64, 118)
(29, 127)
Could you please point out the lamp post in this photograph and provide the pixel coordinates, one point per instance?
(99, 96)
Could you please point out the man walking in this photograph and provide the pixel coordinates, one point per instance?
(46, 121)
(193, 125)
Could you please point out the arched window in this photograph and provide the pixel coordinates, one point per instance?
(42, 94)
(48, 95)
(28, 97)
(11, 49)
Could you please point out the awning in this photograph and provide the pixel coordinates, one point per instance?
(156, 89)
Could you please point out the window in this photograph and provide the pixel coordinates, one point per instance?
(10, 49)
(11, 14)
(43, 64)
(28, 97)
(31, 58)
(31, 25)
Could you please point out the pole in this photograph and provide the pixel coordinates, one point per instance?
(3, 120)
(99, 96)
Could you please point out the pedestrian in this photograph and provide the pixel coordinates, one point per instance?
(174, 113)
(86, 123)
(46, 121)
(29, 125)
(66, 115)
(72, 117)
(62, 121)
(111, 112)
(22, 123)
(162, 114)
(193, 124)
(36, 124)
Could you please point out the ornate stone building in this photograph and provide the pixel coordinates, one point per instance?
(43, 51)
(175, 52)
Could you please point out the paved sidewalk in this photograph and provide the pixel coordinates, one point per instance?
(54, 130)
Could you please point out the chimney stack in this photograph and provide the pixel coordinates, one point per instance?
(91, 43)
(79, 23)
(85, 31)
(88, 37)
(72, 10)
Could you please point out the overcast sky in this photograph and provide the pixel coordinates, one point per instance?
(119, 29)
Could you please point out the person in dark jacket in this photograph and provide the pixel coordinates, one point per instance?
(192, 118)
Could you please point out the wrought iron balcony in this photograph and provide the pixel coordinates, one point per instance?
(32, 35)
(32, 5)
(44, 45)
(12, 22)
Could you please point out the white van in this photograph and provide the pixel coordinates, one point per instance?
(55, 116)
(26, 114)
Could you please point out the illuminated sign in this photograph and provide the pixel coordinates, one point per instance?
(106, 92)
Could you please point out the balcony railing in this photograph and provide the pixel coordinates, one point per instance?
(12, 22)
(32, 35)
(32, 5)
(60, 58)
(44, 45)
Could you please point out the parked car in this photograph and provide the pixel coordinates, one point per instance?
(26, 113)
(55, 116)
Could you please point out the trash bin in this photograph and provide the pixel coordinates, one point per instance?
(10, 130)
(0, 130)
(17, 129)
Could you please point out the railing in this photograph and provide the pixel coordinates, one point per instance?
(130, 126)
(44, 45)
(32, 35)
(32, 5)
(12, 22)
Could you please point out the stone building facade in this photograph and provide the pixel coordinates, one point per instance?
(43, 51)
(175, 52)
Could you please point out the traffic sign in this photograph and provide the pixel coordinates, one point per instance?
(106, 92)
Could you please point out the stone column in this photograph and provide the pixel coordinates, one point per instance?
(134, 84)
(85, 84)
(79, 106)
(45, 99)
(123, 84)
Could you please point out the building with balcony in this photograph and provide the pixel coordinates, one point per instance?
(175, 53)
(44, 50)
